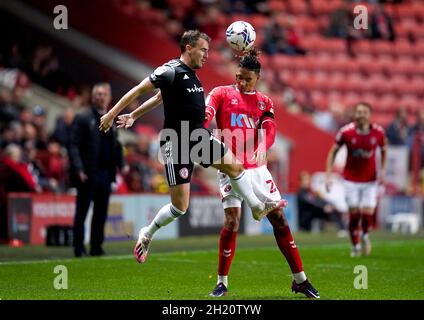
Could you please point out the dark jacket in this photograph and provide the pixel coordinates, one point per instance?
(85, 147)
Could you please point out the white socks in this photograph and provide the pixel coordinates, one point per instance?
(166, 215)
(299, 277)
(223, 279)
(243, 186)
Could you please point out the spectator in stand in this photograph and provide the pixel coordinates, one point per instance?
(416, 140)
(62, 131)
(294, 43)
(25, 116)
(397, 132)
(312, 206)
(341, 26)
(54, 165)
(39, 120)
(8, 108)
(340, 21)
(13, 133)
(382, 25)
(14, 177)
(274, 38)
(332, 119)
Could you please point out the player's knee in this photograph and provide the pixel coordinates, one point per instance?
(232, 219)
(180, 205)
(234, 170)
(277, 218)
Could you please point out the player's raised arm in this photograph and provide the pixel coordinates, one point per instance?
(144, 86)
(127, 120)
(329, 165)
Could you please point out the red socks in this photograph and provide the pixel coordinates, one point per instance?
(367, 221)
(354, 219)
(227, 246)
(288, 248)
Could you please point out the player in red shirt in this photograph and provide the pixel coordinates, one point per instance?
(240, 112)
(362, 139)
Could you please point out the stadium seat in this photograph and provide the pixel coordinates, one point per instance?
(404, 65)
(382, 47)
(277, 6)
(405, 10)
(403, 48)
(297, 7)
(306, 24)
(362, 46)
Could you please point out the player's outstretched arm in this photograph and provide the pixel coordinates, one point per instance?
(144, 86)
(329, 166)
(128, 119)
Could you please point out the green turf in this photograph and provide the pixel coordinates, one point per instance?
(186, 269)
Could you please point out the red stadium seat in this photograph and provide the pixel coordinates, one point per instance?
(277, 5)
(297, 7)
(258, 22)
(356, 82)
(388, 102)
(404, 65)
(279, 61)
(418, 49)
(382, 47)
(405, 10)
(306, 24)
(403, 47)
(362, 46)
(368, 63)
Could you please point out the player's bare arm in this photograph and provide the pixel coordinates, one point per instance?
(128, 119)
(329, 166)
(107, 120)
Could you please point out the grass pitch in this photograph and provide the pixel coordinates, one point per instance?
(186, 269)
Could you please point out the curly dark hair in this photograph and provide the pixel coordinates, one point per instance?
(250, 60)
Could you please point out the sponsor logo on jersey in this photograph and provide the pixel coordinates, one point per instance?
(361, 153)
(234, 101)
(185, 77)
(242, 120)
(195, 89)
(261, 105)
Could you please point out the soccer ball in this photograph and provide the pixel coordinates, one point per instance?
(240, 35)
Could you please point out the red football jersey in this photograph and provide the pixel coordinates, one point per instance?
(238, 117)
(361, 160)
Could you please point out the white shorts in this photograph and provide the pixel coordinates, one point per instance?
(361, 194)
(263, 186)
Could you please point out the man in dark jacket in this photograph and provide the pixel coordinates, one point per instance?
(94, 158)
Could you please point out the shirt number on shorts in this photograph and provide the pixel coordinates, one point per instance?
(272, 187)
